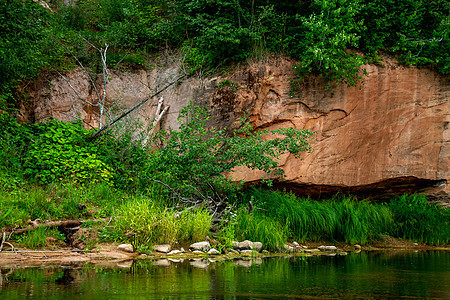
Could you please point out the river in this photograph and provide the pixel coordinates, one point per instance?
(365, 275)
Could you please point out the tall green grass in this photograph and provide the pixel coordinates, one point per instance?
(259, 228)
(420, 221)
(147, 223)
(38, 238)
(338, 219)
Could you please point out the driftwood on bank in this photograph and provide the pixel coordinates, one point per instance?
(35, 225)
(67, 223)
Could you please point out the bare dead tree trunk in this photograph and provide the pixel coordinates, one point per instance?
(105, 75)
(123, 115)
(101, 102)
(101, 98)
(154, 127)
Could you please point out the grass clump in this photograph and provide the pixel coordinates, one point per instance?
(37, 239)
(145, 223)
(259, 228)
(194, 225)
(338, 219)
(420, 221)
(57, 201)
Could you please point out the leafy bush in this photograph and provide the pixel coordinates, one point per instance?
(60, 151)
(13, 145)
(196, 157)
(22, 45)
(325, 36)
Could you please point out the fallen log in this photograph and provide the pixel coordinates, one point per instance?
(35, 225)
(67, 223)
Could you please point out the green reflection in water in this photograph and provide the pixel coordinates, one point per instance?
(363, 275)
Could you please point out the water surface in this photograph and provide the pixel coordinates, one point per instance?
(370, 275)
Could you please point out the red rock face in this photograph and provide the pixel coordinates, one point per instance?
(389, 135)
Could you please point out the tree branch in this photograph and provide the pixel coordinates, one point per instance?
(99, 132)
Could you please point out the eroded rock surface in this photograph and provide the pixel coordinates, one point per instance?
(387, 137)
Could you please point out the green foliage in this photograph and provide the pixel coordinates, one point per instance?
(194, 225)
(325, 36)
(341, 219)
(60, 151)
(56, 201)
(417, 220)
(272, 234)
(13, 145)
(22, 44)
(37, 239)
(146, 224)
(322, 34)
(227, 83)
(196, 157)
(418, 31)
(123, 152)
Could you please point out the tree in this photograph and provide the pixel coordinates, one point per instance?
(192, 162)
(328, 32)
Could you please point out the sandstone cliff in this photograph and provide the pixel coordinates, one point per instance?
(389, 136)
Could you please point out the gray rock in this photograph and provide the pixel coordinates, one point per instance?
(182, 250)
(197, 252)
(125, 248)
(295, 244)
(213, 251)
(257, 246)
(200, 246)
(245, 245)
(235, 244)
(327, 248)
(174, 252)
(165, 248)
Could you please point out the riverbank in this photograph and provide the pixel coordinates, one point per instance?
(110, 255)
